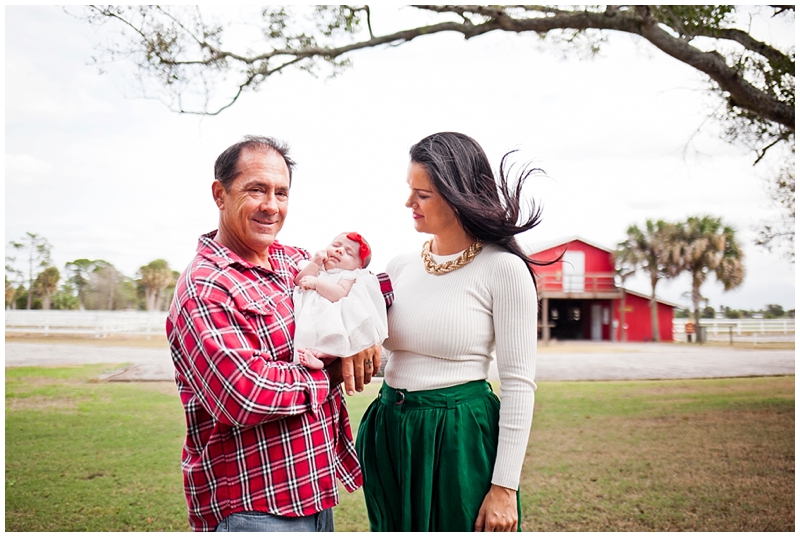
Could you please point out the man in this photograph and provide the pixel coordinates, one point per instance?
(266, 439)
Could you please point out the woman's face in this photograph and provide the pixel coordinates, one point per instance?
(430, 211)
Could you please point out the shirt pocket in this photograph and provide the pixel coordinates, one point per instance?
(272, 320)
(260, 315)
(263, 307)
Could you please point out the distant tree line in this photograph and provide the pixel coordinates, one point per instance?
(33, 282)
(770, 311)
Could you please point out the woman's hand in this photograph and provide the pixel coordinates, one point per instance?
(498, 511)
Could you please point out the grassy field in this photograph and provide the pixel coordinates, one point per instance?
(696, 455)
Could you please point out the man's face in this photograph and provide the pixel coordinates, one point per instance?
(254, 208)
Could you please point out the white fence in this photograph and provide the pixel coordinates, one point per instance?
(738, 327)
(95, 323)
(104, 323)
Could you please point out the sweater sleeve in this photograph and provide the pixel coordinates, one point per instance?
(514, 312)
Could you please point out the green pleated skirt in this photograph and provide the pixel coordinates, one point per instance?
(428, 456)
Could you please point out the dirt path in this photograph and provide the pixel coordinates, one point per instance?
(581, 361)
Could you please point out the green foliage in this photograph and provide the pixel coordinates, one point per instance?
(65, 300)
(334, 21)
(691, 21)
(654, 250)
(733, 314)
(79, 272)
(32, 257)
(10, 292)
(21, 300)
(780, 231)
(46, 284)
(774, 311)
(154, 279)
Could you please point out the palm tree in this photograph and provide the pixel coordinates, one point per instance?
(709, 246)
(46, 284)
(155, 277)
(655, 250)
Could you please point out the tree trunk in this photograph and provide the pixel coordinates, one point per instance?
(654, 311)
(150, 299)
(696, 301)
(654, 319)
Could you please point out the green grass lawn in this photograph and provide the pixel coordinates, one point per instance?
(696, 455)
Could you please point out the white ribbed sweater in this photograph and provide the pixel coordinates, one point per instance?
(443, 329)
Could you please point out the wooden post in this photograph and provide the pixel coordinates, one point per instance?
(546, 320)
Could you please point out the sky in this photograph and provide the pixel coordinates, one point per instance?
(103, 173)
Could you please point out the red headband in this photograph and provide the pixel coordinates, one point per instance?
(363, 249)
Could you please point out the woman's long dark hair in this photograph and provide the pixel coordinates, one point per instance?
(487, 209)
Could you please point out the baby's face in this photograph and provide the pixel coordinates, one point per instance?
(343, 253)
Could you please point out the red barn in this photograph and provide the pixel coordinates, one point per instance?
(580, 299)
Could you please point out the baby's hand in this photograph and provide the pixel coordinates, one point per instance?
(320, 257)
(308, 282)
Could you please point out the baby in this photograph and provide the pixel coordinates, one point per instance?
(339, 307)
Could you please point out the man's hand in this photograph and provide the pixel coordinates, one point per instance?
(334, 369)
(357, 370)
(498, 511)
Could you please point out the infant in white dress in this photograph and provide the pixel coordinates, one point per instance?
(338, 304)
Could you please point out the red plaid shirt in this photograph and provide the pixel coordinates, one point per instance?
(262, 434)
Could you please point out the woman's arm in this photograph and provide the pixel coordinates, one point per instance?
(514, 313)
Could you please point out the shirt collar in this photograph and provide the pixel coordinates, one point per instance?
(223, 257)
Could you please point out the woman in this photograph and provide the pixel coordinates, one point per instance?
(439, 451)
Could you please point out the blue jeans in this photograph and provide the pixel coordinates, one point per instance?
(258, 521)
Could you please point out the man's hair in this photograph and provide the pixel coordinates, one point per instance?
(226, 168)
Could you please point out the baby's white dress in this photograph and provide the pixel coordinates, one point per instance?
(347, 326)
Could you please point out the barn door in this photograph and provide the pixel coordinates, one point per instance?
(573, 267)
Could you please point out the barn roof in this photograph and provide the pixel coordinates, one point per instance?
(647, 297)
(537, 248)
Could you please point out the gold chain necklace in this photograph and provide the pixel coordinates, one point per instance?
(448, 266)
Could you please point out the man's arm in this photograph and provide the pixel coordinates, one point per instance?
(234, 381)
